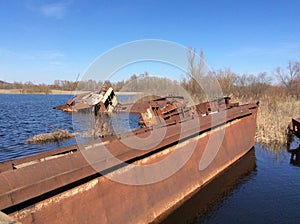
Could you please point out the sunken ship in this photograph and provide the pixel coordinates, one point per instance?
(133, 177)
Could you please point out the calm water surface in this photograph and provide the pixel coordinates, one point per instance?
(23, 116)
(261, 188)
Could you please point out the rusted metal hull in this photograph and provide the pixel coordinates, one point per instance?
(64, 188)
(296, 126)
(102, 100)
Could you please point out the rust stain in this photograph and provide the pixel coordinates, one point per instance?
(54, 200)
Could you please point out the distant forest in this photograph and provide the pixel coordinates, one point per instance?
(282, 82)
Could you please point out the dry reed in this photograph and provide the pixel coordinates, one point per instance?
(51, 137)
(274, 115)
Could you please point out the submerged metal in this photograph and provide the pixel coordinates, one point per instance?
(293, 129)
(100, 100)
(296, 126)
(61, 186)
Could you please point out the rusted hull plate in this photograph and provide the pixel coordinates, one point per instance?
(296, 126)
(105, 201)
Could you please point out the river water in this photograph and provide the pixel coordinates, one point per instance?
(23, 116)
(262, 187)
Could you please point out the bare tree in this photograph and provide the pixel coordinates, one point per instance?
(227, 80)
(199, 82)
(289, 78)
(196, 68)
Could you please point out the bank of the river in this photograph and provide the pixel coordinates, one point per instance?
(52, 91)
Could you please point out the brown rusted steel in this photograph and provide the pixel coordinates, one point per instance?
(35, 177)
(101, 100)
(296, 126)
(13, 164)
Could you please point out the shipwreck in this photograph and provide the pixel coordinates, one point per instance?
(102, 100)
(83, 184)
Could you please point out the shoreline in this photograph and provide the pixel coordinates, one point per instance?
(55, 92)
(52, 92)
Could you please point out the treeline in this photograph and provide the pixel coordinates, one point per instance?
(27, 87)
(199, 83)
(240, 86)
(280, 82)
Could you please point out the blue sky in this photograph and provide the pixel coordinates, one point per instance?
(42, 41)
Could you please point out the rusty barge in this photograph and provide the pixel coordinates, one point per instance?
(133, 177)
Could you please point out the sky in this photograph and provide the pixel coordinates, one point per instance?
(42, 41)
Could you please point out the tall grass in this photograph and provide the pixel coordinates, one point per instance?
(274, 115)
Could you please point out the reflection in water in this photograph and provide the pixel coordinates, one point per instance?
(195, 208)
(295, 156)
(104, 124)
